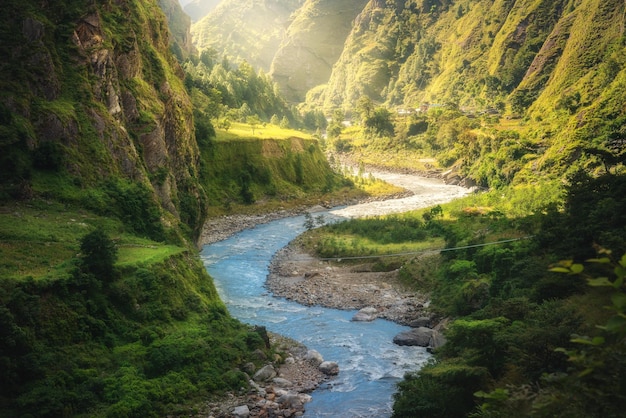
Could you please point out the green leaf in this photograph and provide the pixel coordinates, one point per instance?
(582, 340)
(619, 301)
(598, 340)
(603, 260)
(577, 268)
(616, 324)
(498, 394)
(600, 281)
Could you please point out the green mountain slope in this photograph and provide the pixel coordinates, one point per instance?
(245, 30)
(97, 87)
(549, 73)
(312, 44)
(477, 53)
(105, 308)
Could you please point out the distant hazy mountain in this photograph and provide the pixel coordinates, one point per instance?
(481, 54)
(312, 44)
(250, 30)
(197, 9)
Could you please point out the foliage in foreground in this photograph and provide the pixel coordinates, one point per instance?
(99, 322)
(514, 346)
(520, 324)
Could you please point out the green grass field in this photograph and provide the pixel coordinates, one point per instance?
(41, 239)
(239, 130)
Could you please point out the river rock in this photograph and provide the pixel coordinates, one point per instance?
(437, 339)
(415, 337)
(292, 400)
(249, 368)
(329, 368)
(242, 411)
(282, 383)
(254, 386)
(314, 357)
(265, 373)
(259, 354)
(422, 321)
(366, 314)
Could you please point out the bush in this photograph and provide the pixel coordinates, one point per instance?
(440, 391)
(135, 205)
(98, 254)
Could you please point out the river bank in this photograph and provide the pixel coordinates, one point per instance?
(300, 277)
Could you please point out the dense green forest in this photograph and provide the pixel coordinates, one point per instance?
(534, 325)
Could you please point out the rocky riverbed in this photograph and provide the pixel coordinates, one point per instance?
(280, 388)
(298, 276)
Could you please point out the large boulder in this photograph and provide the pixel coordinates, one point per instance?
(366, 314)
(241, 411)
(329, 368)
(265, 373)
(314, 357)
(414, 337)
(437, 339)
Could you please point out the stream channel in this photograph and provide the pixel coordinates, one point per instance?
(370, 364)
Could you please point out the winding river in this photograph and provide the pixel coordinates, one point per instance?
(370, 364)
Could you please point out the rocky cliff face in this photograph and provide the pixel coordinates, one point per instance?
(180, 28)
(97, 83)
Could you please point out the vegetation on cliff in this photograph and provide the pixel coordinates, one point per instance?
(115, 145)
(109, 166)
(98, 321)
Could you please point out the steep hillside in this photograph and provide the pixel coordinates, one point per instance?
(180, 28)
(546, 79)
(105, 308)
(268, 172)
(245, 30)
(92, 94)
(477, 54)
(312, 44)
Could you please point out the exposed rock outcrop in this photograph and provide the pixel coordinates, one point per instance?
(113, 101)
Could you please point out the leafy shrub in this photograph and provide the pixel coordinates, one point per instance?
(134, 204)
(98, 254)
(430, 392)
